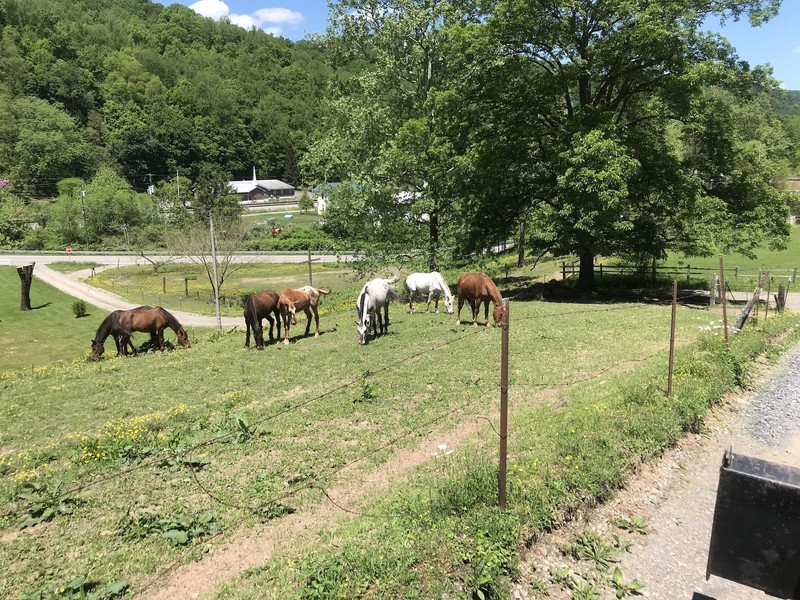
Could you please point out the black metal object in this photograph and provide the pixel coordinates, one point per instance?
(755, 538)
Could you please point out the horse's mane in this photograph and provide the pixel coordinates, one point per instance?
(362, 304)
(172, 322)
(106, 327)
(443, 283)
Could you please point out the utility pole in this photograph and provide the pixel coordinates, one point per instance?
(214, 266)
(83, 210)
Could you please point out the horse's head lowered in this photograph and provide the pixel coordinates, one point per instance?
(183, 338)
(448, 304)
(497, 314)
(97, 350)
(363, 322)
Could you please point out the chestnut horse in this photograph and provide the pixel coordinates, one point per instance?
(306, 299)
(111, 327)
(258, 306)
(152, 320)
(476, 288)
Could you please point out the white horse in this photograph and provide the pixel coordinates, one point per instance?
(432, 284)
(375, 295)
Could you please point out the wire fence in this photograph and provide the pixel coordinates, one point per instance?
(317, 482)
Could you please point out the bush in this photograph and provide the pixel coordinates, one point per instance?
(80, 308)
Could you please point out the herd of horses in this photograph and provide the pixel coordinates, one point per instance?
(372, 305)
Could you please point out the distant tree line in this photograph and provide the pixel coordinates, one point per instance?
(618, 127)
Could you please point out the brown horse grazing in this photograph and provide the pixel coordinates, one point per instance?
(306, 299)
(256, 308)
(152, 320)
(476, 288)
(111, 327)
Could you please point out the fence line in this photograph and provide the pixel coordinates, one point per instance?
(571, 269)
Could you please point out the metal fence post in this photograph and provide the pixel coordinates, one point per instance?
(503, 405)
(672, 336)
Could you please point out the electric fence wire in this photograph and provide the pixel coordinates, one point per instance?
(157, 460)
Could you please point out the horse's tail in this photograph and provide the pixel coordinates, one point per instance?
(394, 279)
(323, 291)
(249, 317)
(393, 295)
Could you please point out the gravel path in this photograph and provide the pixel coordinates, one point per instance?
(72, 284)
(676, 495)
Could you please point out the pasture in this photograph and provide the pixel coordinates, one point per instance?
(48, 333)
(128, 468)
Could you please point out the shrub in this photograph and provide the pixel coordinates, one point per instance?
(80, 308)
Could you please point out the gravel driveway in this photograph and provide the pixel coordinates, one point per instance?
(676, 495)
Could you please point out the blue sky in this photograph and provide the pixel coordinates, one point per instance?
(776, 42)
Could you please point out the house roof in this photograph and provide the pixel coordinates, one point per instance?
(244, 187)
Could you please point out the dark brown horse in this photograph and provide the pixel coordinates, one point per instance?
(306, 299)
(476, 288)
(258, 306)
(111, 327)
(152, 320)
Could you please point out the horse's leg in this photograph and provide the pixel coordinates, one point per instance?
(247, 333)
(258, 334)
(286, 322)
(278, 321)
(307, 310)
(271, 325)
(486, 314)
(475, 304)
(460, 305)
(316, 320)
(411, 302)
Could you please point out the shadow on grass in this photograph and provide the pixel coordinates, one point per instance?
(45, 305)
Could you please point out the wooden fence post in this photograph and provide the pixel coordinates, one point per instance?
(563, 271)
(794, 275)
(164, 285)
(186, 286)
(769, 287)
(714, 286)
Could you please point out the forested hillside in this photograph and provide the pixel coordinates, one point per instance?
(580, 127)
(147, 90)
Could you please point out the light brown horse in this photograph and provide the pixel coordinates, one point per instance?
(476, 288)
(152, 320)
(306, 299)
(258, 306)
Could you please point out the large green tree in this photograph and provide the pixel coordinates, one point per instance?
(382, 129)
(603, 135)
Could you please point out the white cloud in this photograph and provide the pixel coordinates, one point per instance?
(272, 20)
(279, 16)
(797, 50)
(216, 9)
(244, 21)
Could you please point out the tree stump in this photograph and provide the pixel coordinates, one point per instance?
(26, 277)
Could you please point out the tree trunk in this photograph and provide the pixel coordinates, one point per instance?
(521, 245)
(586, 273)
(433, 241)
(26, 277)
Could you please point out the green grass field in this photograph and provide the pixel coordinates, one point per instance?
(47, 334)
(140, 461)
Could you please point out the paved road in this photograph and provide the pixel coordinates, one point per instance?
(131, 259)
